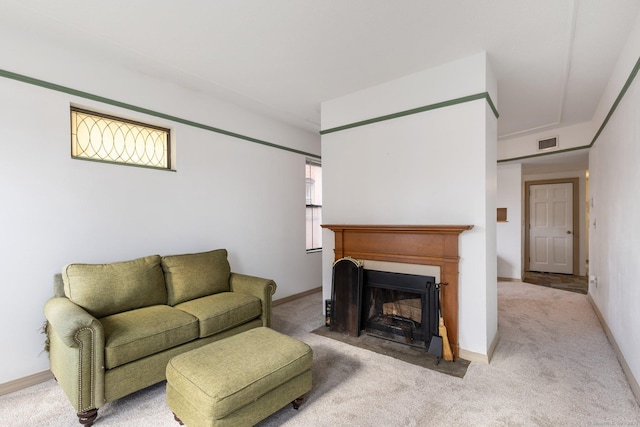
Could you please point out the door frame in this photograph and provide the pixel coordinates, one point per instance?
(576, 219)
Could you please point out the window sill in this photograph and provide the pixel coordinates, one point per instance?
(313, 251)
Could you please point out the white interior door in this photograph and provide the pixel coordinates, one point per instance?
(551, 228)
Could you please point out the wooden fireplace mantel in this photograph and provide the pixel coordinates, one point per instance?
(411, 244)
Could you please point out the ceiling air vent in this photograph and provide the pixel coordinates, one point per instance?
(548, 143)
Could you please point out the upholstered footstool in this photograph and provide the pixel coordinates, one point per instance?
(239, 380)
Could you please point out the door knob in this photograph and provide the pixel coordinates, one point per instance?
(568, 232)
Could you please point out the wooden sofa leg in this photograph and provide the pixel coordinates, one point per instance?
(298, 402)
(87, 418)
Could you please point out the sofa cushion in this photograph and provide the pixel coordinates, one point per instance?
(104, 289)
(222, 311)
(134, 334)
(191, 276)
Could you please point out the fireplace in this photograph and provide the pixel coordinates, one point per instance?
(400, 307)
(427, 245)
(396, 306)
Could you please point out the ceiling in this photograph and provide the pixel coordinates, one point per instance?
(552, 58)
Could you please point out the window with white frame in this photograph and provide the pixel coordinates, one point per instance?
(314, 204)
(111, 139)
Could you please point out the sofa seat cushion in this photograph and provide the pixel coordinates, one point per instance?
(134, 334)
(191, 276)
(222, 311)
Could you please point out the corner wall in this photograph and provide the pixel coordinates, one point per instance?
(437, 166)
(226, 192)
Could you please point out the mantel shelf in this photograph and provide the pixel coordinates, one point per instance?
(422, 229)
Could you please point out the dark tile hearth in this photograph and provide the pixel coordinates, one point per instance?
(406, 353)
(567, 282)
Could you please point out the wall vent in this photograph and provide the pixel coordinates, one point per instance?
(548, 143)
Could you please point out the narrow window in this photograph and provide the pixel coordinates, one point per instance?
(110, 139)
(314, 205)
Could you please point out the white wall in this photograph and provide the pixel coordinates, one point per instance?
(614, 179)
(435, 167)
(226, 192)
(578, 135)
(509, 234)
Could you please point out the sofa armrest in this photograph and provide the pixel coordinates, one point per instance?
(76, 352)
(68, 319)
(258, 287)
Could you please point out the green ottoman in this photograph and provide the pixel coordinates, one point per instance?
(239, 380)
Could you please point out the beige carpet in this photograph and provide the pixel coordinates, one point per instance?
(553, 366)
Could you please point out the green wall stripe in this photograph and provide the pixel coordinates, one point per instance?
(621, 95)
(483, 95)
(86, 95)
(623, 92)
(492, 105)
(530, 156)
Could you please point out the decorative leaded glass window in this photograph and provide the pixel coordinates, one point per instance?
(110, 139)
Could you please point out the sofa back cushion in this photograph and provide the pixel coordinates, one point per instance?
(105, 289)
(191, 276)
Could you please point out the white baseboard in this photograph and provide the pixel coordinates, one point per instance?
(472, 356)
(296, 296)
(508, 279)
(494, 344)
(24, 382)
(633, 382)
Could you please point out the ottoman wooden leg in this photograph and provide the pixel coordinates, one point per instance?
(175, 417)
(298, 402)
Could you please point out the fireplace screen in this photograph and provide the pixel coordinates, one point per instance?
(346, 296)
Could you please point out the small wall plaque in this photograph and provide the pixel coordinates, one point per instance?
(502, 214)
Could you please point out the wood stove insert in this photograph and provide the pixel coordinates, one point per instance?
(400, 307)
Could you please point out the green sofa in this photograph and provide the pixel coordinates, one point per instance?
(112, 328)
